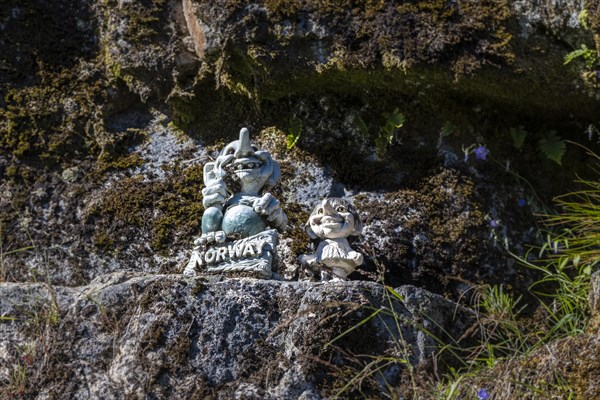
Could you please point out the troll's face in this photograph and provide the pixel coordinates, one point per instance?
(246, 165)
(333, 218)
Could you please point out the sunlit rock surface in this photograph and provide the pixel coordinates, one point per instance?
(173, 337)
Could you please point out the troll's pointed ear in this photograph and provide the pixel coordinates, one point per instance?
(358, 226)
(210, 175)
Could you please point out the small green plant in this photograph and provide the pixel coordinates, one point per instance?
(553, 147)
(568, 258)
(448, 129)
(498, 304)
(588, 55)
(385, 136)
(518, 136)
(17, 382)
(448, 388)
(18, 379)
(583, 17)
(501, 332)
(295, 133)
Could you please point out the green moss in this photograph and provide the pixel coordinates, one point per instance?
(459, 28)
(39, 130)
(44, 35)
(168, 210)
(242, 73)
(12, 171)
(382, 72)
(114, 68)
(429, 92)
(445, 208)
(128, 202)
(297, 217)
(593, 7)
(121, 163)
(145, 19)
(103, 240)
(180, 208)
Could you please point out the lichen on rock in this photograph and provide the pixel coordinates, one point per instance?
(109, 109)
(180, 337)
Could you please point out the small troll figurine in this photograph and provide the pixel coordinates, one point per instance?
(332, 221)
(235, 198)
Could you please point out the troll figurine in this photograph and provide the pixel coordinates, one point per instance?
(332, 221)
(235, 199)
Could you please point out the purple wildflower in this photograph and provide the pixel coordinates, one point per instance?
(598, 74)
(482, 394)
(521, 202)
(494, 223)
(481, 152)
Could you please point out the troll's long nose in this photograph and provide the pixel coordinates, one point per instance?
(244, 149)
(328, 209)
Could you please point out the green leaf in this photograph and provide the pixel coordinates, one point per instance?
(291, 140)
(295, 133)
(448, 129)
(583, 52)
(583, 19)
(361, 125)
(395, 293)
(562, 263)
(518, 136)
(553, 147)
(385, 135)
(395, 119)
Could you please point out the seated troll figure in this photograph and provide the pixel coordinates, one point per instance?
(233, 198)
(332, 221)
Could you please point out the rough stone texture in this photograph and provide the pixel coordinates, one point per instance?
(440, 235)
(104, 137)
(131, 335)
(108, 110)
(144, 46)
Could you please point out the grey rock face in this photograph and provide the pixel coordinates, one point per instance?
(407, 232)
(175, 337)
(556, 16)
